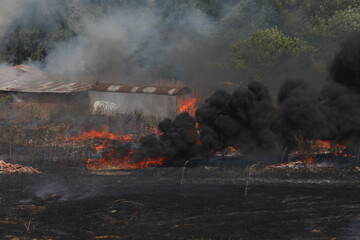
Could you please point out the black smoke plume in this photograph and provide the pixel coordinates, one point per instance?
(244, 120)
(301, 113)
(178, 140)
(346, 66)
(341, 97)
(250, 121)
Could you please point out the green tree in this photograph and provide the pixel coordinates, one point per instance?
(22, 44)
(322, 23)
(268, 51)
(341, 23)
(321, 18)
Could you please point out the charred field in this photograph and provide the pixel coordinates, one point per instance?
(181, 203)
(103, 134)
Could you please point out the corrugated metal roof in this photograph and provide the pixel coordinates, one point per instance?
(23, 78)
(47, 87)
(106, 87)
(27, 68)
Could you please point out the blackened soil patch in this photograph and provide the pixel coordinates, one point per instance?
(151, 204)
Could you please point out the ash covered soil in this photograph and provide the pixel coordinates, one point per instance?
(167, 203)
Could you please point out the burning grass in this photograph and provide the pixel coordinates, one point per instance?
(114, 151)
(101, 140)
(114, 159)
(43, 140)
(172, 143)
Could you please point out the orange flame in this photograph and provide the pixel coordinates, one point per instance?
(310, 159)
(105, 134)
(323, 144)
(102, 138)
(113, 158)
(319, 147)
(327, 147)
(112, 161)
(231, 149)
(153, 130)
(189, 105)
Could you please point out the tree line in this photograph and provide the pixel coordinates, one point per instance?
(280, 34)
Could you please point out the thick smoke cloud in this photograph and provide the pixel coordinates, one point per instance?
(41, 14)
(300, 112)
(179, 139)
(106, 49)
(141, 42)
(138, 42)
(341, 98)
(245, 120)
(250, 121)
(346, 67)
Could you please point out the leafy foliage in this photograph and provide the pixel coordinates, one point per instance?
(266, 49)
(262, 34)
(338, 25)
(25, 43)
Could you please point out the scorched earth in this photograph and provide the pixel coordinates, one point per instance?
(174, 203)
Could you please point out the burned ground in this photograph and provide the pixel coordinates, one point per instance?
(157, 203)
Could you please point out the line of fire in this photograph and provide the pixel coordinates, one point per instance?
(105, 126)
(100, 160)
(81, 123)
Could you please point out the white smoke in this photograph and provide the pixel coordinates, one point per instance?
(105, 46)
(30, 12)
(9, 12)
(135, 43)
(128, 45)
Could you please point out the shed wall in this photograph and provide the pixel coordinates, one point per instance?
(127, 103)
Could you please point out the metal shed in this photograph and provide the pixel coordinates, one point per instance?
(26, 82)
(23, 78)
(110, 99)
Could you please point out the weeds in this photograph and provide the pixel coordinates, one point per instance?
(28, 225)
(182, 176)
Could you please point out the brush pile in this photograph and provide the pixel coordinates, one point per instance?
(9, 168)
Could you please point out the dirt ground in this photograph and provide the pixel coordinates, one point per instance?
(169, 203)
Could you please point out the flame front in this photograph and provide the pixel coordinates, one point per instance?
(101, 139)
(111, 157)
(318, 147)
(105, 134)
(112, 160)
(231, 149)
(328, 148)
(189, 105)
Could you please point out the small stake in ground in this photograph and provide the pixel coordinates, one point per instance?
(182, 175)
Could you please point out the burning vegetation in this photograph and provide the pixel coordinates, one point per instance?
(202, 119)
(301, 125)
(177, 140)
(115, 151)
(249, 122)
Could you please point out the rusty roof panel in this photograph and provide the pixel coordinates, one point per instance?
(23, 78)
(107, 87)
(47, 87)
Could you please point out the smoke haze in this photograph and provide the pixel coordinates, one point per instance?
(127, 42)
(248, 120)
